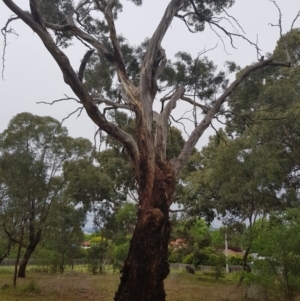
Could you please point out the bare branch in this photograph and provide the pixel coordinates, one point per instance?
(100, 100)
(280, 30)
(58, 100)
(221, 39)
(72, 113)
(235, 20)
(297, 16)
(70, 26)
(183, 125)
(198, 131)
(229, 34)
(182, 17)
(71, 78)
(189, 100)
(4, 32)
(177, 210)
(83, 63)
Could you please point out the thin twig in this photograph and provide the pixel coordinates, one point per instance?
(58, 100)
(4, 32)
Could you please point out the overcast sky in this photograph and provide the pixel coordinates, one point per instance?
(31, 75)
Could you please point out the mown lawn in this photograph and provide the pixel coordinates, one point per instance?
(81, 285)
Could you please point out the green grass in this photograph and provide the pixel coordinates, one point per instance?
(82, 285)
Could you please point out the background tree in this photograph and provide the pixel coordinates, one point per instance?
(64, 232)
(279, 244)
(135, 79)
(33, 152)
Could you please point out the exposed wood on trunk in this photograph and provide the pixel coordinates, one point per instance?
(148, 254)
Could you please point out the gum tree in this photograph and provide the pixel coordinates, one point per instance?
(119, 76)
(33, 152)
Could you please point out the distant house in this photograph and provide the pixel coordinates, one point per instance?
(178, 243)
(233, 252)
(86, 244)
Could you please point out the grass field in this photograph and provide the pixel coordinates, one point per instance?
(81, 285)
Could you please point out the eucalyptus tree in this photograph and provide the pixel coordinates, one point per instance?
(64, 233)
(129, 78)
(33, 152)
(278, 241)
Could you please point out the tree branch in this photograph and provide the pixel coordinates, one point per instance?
(189, 100)
(198, 131)
(153, 56)
(71, 78)
(113, 36)
(85, 60)
(162, 125)
(70, 26)
(115, 105)
(4, 32)
(280, 30)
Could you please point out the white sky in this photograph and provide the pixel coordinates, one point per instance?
(31, 74)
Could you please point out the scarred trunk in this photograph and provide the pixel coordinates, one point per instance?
(147, 265)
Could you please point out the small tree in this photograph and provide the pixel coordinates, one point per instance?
(279, 243)
(33, 151)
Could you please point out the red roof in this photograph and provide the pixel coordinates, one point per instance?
(86, 243)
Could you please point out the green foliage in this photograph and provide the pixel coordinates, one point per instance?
(96, 255)
(31, 288)
(34, 152)
(218, 262)
(188, 259)
(236, 260)
(279, 243)
(175, 257)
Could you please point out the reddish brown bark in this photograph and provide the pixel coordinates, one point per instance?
(146, 265)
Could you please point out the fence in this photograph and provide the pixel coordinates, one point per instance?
(173, 266)
(42, 262)
(204, 268)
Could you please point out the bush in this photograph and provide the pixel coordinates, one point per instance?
(31, 288)
(218, 262)
(175, 258)
(189, 259)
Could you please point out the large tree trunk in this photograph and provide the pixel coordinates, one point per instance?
(147, 265)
